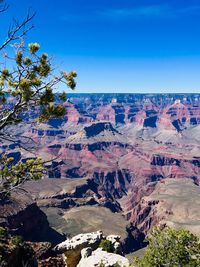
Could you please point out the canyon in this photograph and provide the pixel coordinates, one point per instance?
(130, 160)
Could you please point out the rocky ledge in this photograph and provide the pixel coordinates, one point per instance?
(83, 250)
(102, 258)
(21, 216)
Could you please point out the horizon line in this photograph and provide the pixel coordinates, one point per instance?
(137, 93)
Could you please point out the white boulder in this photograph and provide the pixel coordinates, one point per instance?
(113, 238)
(100, 257)
(86, 252)
(81, 240)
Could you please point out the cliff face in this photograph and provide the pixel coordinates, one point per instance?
(170, 203)
(74, 116)
(22, 216)
(113, 151)
(118, 163)
(69, 193)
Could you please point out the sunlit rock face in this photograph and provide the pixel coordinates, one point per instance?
(168, 203)
(99, 257)
(181, 115)
(82, 250)
(74, 116)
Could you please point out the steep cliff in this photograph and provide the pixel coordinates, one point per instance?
(21, 216)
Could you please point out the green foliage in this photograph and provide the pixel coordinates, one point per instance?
(173, 248)
(30, 81)
(17, 240)
(27, 61)
(69, 77)
(11, 176)
(53, 111)
(47, 96)
(19, 56)
(118, 265)
(63, 96)
(106, 245)
(14, 251)
(3, 233)
(33, 47)
(4, 74)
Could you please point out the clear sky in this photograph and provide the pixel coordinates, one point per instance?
(119, 45)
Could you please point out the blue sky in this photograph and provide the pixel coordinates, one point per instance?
(119, 45)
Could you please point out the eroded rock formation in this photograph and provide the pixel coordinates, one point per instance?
(113, 152)
(100, 257)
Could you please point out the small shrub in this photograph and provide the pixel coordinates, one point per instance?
(17, 240)
(106, 245)
(3, 233)
(14, 252)
(170, 247)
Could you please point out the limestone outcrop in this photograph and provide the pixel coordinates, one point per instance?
(72, 247)
(102, 258)
(84, 250)
(80, 240)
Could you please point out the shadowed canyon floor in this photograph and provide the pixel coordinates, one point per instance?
(87, 219)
